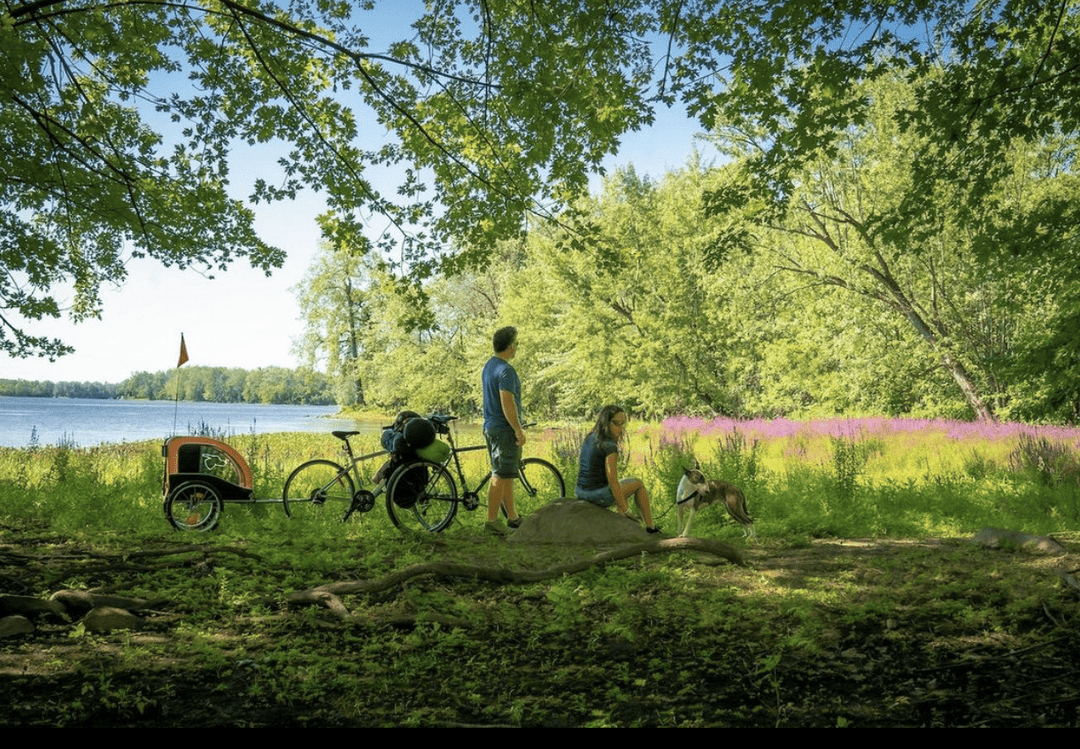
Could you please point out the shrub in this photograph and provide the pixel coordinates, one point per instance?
(667, 461)
(737, 463)
(1050, 463)
(565, 451)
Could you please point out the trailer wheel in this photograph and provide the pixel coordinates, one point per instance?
(193, 506)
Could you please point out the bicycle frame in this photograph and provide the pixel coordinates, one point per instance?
(316, 481)
(470, 498)
(354, 462)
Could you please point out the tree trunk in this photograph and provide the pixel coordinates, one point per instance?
(967, 385)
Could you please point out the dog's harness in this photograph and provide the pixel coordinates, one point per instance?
(688, 497)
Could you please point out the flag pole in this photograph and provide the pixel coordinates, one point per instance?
(180, 363)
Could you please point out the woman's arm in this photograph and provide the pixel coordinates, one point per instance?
(611, 467)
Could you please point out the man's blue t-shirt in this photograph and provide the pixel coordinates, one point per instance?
(499, 375)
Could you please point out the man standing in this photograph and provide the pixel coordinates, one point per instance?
(502, 427)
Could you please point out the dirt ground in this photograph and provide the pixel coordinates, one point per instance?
(870, 633)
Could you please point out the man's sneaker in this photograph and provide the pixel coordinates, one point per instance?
(514, 523)
(654, 529)
(497, 527)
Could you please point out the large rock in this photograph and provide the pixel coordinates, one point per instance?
(573, 521)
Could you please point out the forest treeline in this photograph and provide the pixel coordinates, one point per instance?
(849, 290)
(50, 389)
(215, 384)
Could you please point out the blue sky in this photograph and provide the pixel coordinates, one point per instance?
(241, 318)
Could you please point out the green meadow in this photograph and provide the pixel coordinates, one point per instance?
(847, 478)
(864, 603)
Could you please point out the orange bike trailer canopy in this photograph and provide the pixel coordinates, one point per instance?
(209, 457)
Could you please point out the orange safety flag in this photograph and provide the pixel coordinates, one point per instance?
(183, 352)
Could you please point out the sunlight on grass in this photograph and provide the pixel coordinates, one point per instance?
(835, 477)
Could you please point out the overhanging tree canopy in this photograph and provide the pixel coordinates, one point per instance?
(987, 74)
(118, 119)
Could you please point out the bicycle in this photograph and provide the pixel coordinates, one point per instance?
(418, 493)
(424, 493)
(316, 484)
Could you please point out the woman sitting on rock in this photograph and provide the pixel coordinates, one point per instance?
(598, 473)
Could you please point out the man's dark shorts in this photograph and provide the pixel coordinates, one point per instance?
(505, 452)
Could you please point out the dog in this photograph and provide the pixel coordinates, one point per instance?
(695, 492)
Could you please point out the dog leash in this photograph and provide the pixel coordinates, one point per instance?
(687, 498)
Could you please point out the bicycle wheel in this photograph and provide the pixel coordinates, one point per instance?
(193, 506)
(421, 496)
(540, 484)
(318, 488)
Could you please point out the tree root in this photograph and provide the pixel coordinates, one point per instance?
(329, 595)
(71, 562)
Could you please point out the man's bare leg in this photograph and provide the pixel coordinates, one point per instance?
(501, 494)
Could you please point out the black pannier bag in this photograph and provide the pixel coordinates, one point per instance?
(410, 487)
(409, 432)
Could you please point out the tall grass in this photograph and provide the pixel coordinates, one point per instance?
(899, 476)
(868, 477)
(106, 488)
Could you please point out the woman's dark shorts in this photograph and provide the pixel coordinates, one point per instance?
(601, 496)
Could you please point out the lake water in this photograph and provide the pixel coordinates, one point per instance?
(88, 422)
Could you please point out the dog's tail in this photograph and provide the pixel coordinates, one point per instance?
(735, 501)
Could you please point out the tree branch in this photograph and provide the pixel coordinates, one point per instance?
(1049, 45)
(127, 181)
(31, 11)
(299, 107)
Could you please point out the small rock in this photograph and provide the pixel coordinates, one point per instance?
(15, 625)
(107, 618)
(997, 537)
(29, 606)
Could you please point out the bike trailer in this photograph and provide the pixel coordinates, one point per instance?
(208, 460)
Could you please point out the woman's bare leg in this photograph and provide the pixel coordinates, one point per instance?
(641, 498)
